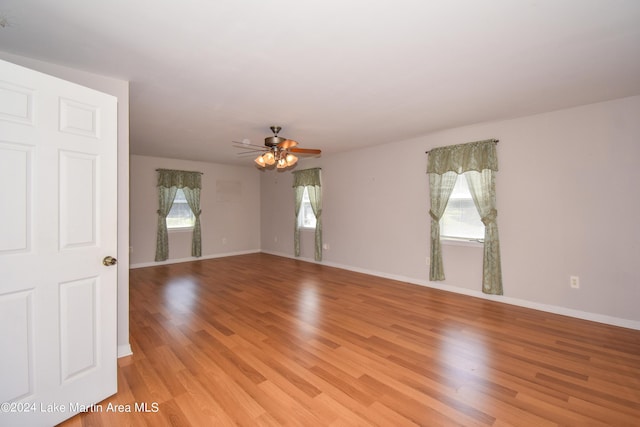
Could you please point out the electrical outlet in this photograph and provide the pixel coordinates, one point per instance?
(325, 246)
(574, 282)
(224, 240)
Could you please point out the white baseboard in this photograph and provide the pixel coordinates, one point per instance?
(179, 260)
(124, 350)
(594, 317)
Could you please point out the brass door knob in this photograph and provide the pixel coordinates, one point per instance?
(109, 261)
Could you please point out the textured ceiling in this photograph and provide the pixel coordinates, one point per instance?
(336, 75)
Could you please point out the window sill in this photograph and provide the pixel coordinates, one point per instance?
(453, 241)
(179, 229)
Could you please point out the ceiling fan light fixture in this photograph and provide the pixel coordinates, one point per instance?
(282, 163)
(269, 158)
(277, 150)
(290, 159)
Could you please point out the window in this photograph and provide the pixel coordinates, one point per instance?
(180, 215)
(461, 219)
(306, 217)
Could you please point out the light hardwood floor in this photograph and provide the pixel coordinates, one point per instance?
(262, 340)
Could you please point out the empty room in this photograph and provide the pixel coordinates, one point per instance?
(407, 213)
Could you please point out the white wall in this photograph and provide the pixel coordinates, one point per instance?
(120, 89)
(567, 202)
(230, 204)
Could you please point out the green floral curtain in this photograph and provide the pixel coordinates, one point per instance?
(478, 161)
(193, 200)
(166, 196)
(440, 189)
(311, 179)
(473, 156)
(483, 191)
(169, 181)
(298, 193)
(176, 178)
(315, 198)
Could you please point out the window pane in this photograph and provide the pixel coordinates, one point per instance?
(461, 218)
(180, 215)
(306, 218)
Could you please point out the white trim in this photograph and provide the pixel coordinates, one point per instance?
(594, 317)
(124, 350)
(179, 260)
(453, 241)
(179, 229)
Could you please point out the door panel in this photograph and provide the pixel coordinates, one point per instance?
(15, 218)
(78, 216)
(16, 103)
(79, 118)
(78, 327)
(58, 170)
(17, 369)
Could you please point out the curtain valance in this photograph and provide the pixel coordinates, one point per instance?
(472, 156)
(306, 177)
(175, 178)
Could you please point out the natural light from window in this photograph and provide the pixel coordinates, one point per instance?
(306, 218)
(461, 220)
(180, 215)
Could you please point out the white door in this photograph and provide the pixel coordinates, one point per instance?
(58, 149)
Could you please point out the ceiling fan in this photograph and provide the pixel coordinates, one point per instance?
(277, 150)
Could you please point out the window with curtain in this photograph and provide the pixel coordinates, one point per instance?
(308, 181)
(306, 217)
(169, 183)
(478, 162)
(180, 216)
(461, 220)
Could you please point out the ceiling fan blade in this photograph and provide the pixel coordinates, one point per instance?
(250, 147)
(305, 150)
(253, 151)
(287, 143)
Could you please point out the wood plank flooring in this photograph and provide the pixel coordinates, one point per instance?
(260, 340)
